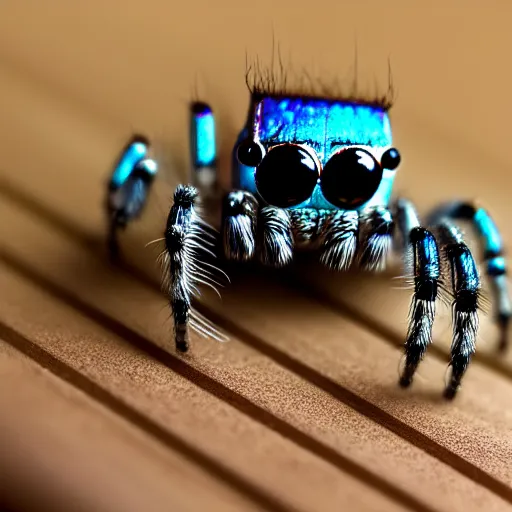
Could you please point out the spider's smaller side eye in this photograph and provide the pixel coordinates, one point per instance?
(250, 153)
(390, 159)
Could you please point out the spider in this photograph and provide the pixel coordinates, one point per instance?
(316, 172)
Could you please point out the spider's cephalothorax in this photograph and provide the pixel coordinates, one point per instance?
(318, 169)
(317, 173)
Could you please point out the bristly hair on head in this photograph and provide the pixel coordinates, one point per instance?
(280, 80)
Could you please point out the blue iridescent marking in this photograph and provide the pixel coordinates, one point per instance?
(205, 147)
(488, 230)
(325, 126)
(429, 257)
(469, 271)
(149, 166)
(132, 156)
(496, 266)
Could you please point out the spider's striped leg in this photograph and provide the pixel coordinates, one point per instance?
(239, 213)
(377, 229)
(492, 248)
(465, 288)
(187, 240)
(422, 257)
(274, 236)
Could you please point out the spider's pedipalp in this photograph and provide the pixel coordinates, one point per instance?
(274, 236)
(239, 213)
(377, 230)
(340, 240)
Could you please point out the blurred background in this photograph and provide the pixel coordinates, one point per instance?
(98, 70)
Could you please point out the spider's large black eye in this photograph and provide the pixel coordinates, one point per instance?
(390, 159)
(287, 175)
(250, 153)
(350, 178)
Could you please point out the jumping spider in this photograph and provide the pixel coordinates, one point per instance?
(316, 173)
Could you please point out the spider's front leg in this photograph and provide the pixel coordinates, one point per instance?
(179, 242)
(189, 243)
(377, 230)
(422, 257)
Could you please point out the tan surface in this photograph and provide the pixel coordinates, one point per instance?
(301, 409)
(43, 462)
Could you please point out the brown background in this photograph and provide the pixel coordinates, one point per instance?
(300, 411)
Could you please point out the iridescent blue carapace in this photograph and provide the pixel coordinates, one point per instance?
(323, 126)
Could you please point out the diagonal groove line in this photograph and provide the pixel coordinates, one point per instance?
(380, 329)
(334, 389)
(211, 386)
(80, 381)
(366, 408)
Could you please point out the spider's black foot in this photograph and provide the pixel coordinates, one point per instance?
(182, 346)
(406, 378)
(181, 337)
(451, 391)
(459, 365)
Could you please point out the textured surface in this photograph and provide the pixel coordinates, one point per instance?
(300, 410)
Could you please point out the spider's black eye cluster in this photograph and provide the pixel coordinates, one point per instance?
(350, 178)
(287, 175)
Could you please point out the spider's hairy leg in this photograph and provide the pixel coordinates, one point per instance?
(274, 236)
(422, 255)
(187, 240)
(493, 255)
(340, 240)
(465, 288)
(239, 213)
(377, 228)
